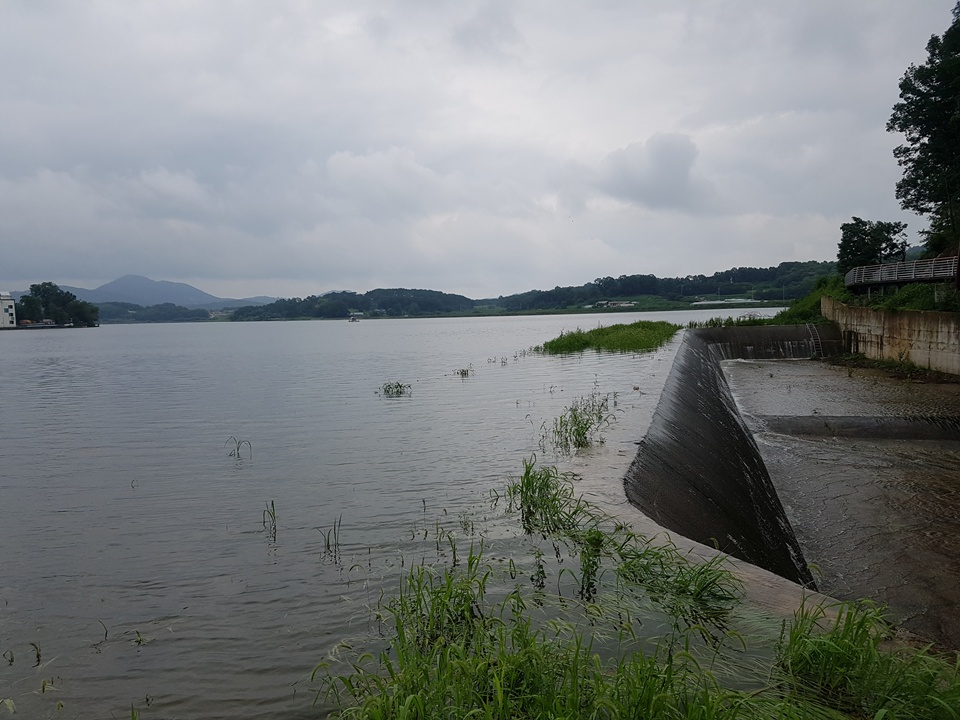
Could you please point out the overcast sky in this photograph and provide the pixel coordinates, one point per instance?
(485, 148)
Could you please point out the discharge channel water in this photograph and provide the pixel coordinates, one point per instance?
(135, 568)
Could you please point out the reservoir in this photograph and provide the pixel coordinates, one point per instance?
(193, 516)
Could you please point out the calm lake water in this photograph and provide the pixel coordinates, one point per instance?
(134, 565)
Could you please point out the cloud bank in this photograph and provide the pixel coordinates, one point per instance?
(483, 147)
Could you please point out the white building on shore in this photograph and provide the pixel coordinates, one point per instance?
(8, 311)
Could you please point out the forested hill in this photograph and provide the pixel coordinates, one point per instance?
(394, 302)
(786, 281)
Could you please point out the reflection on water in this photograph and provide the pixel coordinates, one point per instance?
(136, 569)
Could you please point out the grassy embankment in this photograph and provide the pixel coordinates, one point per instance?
(916, 297)
(919, 296)
(579, 617)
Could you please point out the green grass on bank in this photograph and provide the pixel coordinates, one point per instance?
(635, 337)
(918, 296)
(478, 636)
(801, 311)
(807, 309)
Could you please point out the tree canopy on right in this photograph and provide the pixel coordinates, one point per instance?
(928, 115)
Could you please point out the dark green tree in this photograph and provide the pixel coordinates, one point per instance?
(80, 312)
(29, 308)
(53, 300)
(870, 242)
(58, 305)
(928, 115)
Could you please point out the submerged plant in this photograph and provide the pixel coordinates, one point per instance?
(270, 521)
(394, 389)
(842, 664)
(591, 545)
(237, 445)
(580, 424)
(331, 541)
(466, 639)
(545, 499)
(698, 592)
(455, 651)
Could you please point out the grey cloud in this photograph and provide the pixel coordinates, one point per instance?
(484, 146)
(659, 173)
(490, 31)
(386, 184)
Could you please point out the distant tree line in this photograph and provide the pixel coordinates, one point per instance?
(46, 301)
(121, 312)
(786, 281)
(397, 302)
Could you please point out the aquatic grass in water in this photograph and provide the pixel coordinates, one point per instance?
(580, 424)
(270, 521)
(454, 653)
(640, 336)
(394, 389)
(699, 591)
(476, 641)
(331, 541)
(236, 446)
(846, 667)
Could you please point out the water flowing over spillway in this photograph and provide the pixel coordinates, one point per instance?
(698, 471)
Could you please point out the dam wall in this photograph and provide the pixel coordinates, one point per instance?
(698, 471)
(927, 339)
(771, 342)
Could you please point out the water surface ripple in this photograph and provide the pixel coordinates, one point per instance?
(134, 561)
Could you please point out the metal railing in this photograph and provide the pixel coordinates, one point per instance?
(935, 270)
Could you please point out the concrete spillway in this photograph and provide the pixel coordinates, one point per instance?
(698, 471)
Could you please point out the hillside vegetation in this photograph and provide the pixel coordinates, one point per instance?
(627, 292)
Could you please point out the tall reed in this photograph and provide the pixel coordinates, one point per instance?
(580, 425)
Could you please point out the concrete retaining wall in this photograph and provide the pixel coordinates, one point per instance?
(698, 471)
(927, 339)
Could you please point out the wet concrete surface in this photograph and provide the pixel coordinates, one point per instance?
(602, 471)
(698, 471)
(877, 515)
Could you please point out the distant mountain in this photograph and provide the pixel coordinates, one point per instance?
(143, 291)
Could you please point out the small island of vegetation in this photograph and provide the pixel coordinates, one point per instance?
(635, 337)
